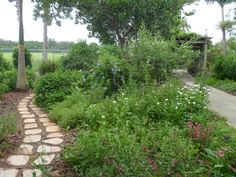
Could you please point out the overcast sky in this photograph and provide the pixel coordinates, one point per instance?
(206, 17)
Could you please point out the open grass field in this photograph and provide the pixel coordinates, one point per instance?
(36, 58)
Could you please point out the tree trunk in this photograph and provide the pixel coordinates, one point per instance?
(21, 83)
(45, 40)
(223, 32)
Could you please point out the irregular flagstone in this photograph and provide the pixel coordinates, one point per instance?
(23, 109)
(24, 112)
(18, 160)
(32, 173)
(28, 116)
(44, 159)
(36, 109)
(33, 131)
(47, 124)
(55, 135)
(53, 129)
(29, 120)
(42, 115)
(25, 149)
(44, 120)
(28, 126)
(54, 141)
(48, 149)
(8, 172)
(32, 138)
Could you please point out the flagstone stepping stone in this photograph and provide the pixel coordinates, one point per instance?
(55, 135)
(28, 126)
(8, 172)
(53, 141)
(29, 120)
(53, 129)
(32, 138)
(33, 131)
(28, 116)
(42, 115)
(24, 112)
(25, 149)
(44, 120)
(23, 109)
(47, 124)
(18, 160)
(48, 149)
(36, 109)
(44, 159)
(32, 173)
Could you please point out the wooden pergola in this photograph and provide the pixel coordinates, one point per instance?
(199, 44)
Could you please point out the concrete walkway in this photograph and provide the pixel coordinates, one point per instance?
(220, 102)
(41, 144)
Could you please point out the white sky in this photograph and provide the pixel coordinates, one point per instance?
(206, 17)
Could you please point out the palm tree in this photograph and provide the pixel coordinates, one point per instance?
(21, 83)
(222, 3)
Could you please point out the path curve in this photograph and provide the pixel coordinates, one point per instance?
(220, 102)
(41, 143)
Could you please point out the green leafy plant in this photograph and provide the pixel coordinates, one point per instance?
(48, 66)
(4, 65)
(54, 87)
(81, 57)
(225, 67)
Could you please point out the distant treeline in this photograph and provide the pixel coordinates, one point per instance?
(7, 45)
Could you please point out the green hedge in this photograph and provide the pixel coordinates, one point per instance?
(54, 87)
(225, 67)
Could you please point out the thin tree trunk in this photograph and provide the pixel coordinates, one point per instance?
(21, 83)
(223, 32)
(45, 40)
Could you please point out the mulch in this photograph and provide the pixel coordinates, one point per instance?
(8, 105)
(59, 167)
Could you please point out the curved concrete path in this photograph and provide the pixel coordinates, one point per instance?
(220, 102)
(41, 143)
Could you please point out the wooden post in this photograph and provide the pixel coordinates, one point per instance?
(204, 67)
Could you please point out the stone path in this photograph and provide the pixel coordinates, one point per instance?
(41, 143)
(220, 102)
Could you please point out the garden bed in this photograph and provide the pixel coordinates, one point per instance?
(10, 126)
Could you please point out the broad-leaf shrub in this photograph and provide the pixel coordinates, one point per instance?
(111, 72)
(225, 67)
(48, 66)
(153, 58)
(168, 102)
(28, 58)
(4, 65)
(54, 87)
(8, 80)
(81, 57)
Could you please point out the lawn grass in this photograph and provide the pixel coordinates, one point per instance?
(36, 58)
(226, 85)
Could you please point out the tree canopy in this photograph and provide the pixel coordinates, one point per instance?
(119, 20)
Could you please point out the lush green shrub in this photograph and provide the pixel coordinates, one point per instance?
(225, 67)
(3, 64)
(111, 72)
(132, 104)
(81, 57)
(48, 66)
(154, 59)
(54, 87)
(3, 89)
(9, 79)
(28, 58)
